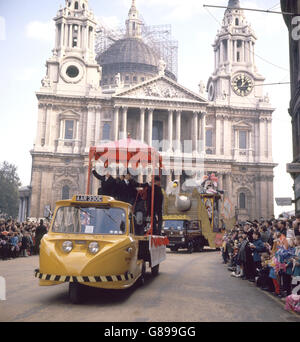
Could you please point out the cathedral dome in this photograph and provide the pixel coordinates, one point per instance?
(129, 51)
(130, 57)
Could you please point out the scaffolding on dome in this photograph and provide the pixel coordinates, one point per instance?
(158, 37)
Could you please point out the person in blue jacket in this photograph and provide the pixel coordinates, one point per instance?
(257, 247)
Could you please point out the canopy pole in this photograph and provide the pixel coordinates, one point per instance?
(89, 173)
(152, 199)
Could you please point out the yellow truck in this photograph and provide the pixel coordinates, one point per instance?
(191, 221)
(92, 242)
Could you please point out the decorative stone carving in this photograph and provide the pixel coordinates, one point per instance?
(161, 67)
(160, 89)
(46, 83)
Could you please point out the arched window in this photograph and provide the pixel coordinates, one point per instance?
(242, 200)
(76, 5)
(65, 193)
(106, 132)
(237, 22)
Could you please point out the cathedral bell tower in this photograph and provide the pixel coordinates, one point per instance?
(133, 23)
(73, 67)
(235, 79)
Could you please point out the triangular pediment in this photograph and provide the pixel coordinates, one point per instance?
(161, 88)
(242, 125)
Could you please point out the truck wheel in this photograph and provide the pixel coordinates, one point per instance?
(155, 270)
(190, 247)
(75, 293)
(174, 249)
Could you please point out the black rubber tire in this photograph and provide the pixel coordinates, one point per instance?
(190, 247)
(75, 293)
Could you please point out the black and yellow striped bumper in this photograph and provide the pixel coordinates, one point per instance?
(83, 279)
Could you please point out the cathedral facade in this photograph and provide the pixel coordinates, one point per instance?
(87, 98)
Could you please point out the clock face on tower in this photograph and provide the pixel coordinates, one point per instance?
(242, 84)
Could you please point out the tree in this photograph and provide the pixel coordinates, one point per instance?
(9, 190)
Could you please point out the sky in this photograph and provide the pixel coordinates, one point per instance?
(27, 39)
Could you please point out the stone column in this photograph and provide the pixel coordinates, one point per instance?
(221, 51)
(124, 121)
(69, 44)
(142, 124)
(227, 137)
(79, 37)
(116, 123)
(150, 125)
(236, 143)
(229, 50)
(270, 151)
(250, 146)
(203, 130)
(218, 135)
(47, 123)
(195, 132)
(243, 52)
(90, 128)
(262, 141)
(234, 51)
(170, 130)
(61, 38)
(40, 138)
(97, 125)
(178, 131)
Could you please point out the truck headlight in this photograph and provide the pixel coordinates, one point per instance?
(94, 247)
(67, 246)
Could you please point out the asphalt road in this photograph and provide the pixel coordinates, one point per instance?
(190, 288)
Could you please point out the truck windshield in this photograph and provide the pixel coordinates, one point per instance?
(90, 220)
(174, 225)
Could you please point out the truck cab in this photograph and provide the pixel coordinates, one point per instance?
(183, 232)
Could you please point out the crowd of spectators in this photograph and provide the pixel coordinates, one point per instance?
(267, 252)
(20, 239)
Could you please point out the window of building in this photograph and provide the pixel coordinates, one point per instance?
(65, 193)
(237, 22)
(69, 129)
(76, 5)
(242, 140)
(157, 133)
(209, 138)
(238, 56)
(134, 79)
(242, 200)
(106, 132)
